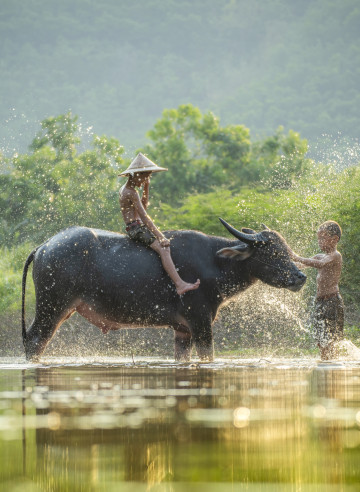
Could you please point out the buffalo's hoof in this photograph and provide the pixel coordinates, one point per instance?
(31, 357)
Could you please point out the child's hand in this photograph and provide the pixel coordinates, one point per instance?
(165, 243)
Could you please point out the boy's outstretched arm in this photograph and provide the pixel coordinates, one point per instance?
(318, 261)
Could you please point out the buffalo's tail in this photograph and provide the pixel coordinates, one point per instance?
(26, 267)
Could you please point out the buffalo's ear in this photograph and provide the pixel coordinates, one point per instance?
(248, 231)
(240, 252)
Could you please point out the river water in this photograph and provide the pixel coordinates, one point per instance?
(149, 425)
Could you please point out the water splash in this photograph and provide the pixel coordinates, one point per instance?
(339, 151)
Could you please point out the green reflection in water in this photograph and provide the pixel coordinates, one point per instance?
(260, 426)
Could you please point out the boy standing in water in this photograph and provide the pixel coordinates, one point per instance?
(139, 225)
(329, 306)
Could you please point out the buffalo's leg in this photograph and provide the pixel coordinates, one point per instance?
(198, 316)
(183, 344)
(205, 346)
(47, 319)
(202, 337)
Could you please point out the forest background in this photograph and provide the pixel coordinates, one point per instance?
(84, 86)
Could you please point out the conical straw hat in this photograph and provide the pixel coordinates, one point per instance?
(142, 164)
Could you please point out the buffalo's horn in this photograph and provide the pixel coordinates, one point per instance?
(264, 226)
(247, 238)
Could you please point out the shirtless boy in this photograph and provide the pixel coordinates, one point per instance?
(329, 307)
(139, 225)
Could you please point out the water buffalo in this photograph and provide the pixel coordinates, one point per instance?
(115, 283)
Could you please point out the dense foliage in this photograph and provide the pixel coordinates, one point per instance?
(213, 171)
(200, 155)
(54, 186)
(118, 63)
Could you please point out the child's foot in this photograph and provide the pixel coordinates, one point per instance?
(185, 287)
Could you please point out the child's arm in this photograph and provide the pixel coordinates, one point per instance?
(318, 261)
(146, 219)
(145, 195)
(296, 259)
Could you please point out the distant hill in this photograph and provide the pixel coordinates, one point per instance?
(118, 63)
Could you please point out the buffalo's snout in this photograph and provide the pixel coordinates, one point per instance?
(299, 281)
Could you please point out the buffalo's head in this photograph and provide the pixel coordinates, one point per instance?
(268, 257)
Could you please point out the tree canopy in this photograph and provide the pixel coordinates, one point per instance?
(54, 186)
(201, 155)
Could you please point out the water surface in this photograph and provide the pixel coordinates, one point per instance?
(150, 425)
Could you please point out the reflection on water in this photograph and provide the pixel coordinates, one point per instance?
(262, 425)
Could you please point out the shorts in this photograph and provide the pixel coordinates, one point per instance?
(141, 234)
(328, 319)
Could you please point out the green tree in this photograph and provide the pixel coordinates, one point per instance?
(60, 133)
(54, 186)
(199, 153)
(279, 160)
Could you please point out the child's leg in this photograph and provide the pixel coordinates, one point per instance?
(339, 317)
(331, 316)
(169, 267)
